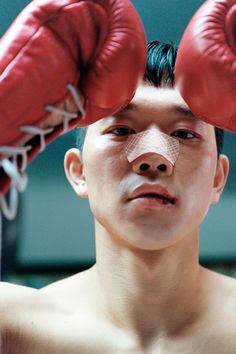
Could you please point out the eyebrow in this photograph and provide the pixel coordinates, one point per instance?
(130, 107)
(183, 110)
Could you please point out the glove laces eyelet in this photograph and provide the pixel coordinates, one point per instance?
(10, 167)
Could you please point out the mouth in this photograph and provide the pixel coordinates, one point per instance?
(153, 193)
(152, 196)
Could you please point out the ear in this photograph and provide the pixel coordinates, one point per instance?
(75, 172)
(222, 171)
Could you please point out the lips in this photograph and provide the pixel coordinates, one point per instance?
(153, 191)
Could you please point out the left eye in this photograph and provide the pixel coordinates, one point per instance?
(121, 131)
(184, 134)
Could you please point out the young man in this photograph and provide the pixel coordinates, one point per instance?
(147, 292)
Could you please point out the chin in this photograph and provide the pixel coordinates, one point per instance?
(148, 240)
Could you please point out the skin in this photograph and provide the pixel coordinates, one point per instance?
(147, 292)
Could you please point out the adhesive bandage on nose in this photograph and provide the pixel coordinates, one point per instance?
(152, 141)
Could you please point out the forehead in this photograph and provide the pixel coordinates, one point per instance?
(154, 105)
(148, 96)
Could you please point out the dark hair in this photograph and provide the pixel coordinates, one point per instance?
(159, 72)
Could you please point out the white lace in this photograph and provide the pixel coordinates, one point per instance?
(76, 98)
(19, 180)
(15, 151)
(37, 131)
(68, 116)
(18, 177)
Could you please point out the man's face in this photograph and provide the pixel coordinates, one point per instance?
(111, 179)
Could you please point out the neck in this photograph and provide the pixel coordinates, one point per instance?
(148, 292)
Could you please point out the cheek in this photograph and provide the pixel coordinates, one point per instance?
(197, 180)
(104, 166)
(205, 168)
(196, 164)
(102, 160)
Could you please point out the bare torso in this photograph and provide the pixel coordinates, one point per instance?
(63, 318)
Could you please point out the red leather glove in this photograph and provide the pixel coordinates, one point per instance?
(52, 49)
(205, 69)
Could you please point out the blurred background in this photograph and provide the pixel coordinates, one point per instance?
(53, 235)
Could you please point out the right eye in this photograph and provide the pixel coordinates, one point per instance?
(122, 131)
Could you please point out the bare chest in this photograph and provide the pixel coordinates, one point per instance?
(86, 335)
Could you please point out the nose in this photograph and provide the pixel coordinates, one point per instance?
(152, 163)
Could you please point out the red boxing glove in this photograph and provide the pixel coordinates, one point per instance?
(52, 49)
(205, 69)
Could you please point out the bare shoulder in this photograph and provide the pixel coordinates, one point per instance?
(77, 290)
(221, 292)
(17, 300)
(12, 295)
(56, 319)
(219, 322)
(222, 337)
(224, 283)
(31, 321)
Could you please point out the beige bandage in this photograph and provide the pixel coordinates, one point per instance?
(152, 141)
